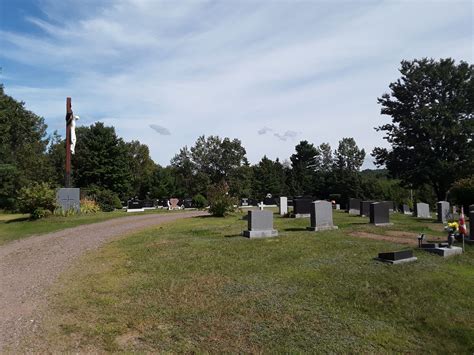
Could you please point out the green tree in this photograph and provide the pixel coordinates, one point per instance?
(23, 142)
(432, 112)
(101, 160)
(303, 163)
(141, 168)
(269, 177)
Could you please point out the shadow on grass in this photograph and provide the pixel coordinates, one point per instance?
(234, 236)
(295, 229)
(21, 219)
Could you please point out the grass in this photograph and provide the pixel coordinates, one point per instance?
(18, 226)
(197, 286)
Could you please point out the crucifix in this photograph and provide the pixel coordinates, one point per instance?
(69, 119)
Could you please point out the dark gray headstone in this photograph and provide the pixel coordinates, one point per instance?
(260, 225)
(365, 208)
(302, 207)
(321, 216)
(397, 255)
(422, 210)
(135, 204)
(442, 208)
(354, 206)
(69, 199)
(379, 214)
(471, 208)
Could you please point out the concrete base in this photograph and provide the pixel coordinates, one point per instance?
(445, 252)
(401, 261)
(356, 212)
(261, 234)
(383, 224)
(321, 228)
(135, 210)
(301, 215)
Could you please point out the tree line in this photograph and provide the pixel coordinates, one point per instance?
(431, 139)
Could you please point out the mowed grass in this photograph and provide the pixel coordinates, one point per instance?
(196, 285)
(18, 226)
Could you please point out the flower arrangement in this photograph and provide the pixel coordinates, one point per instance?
(452, 227)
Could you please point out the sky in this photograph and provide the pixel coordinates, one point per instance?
(270, 73)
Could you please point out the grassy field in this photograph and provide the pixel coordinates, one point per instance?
(196, 286)
(17, 226)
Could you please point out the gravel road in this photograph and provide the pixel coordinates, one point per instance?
(28, 267)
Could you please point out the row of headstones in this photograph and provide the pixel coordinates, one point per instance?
(260, 222)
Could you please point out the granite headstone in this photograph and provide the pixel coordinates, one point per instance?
(302, 207)
(260, 224)
(442, 208)
(422, 210)
(365, 208)
(321, 216)
(379, 214)
(283, 208)
(68, 198)
(354, 206)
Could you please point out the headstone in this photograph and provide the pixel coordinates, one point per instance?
(269, 201)
(471, 208)
(188, 202)
(390, 205)
(397, 257)
(365, 208)
(321, 216)
(135, 206)
(244, 202)
(422, 210)
(338, 206)
(302, 207)
(148, 204)
(68, 198)
(379, 214)
(260, 225)
(406, 209)
(173, 203)
(283, 208)
(354, 206)
(442, 208)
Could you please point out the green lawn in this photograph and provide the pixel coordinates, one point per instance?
(17, 226)
(196, 286)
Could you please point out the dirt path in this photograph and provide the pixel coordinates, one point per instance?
(28, 267)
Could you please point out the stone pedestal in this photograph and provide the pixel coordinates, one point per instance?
(321, 216)
(69, 198)
(283, 208)
(444, 251)
(260, 225)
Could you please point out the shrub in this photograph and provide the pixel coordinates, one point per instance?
(199, 201)
(220, 202)
(106, 199)
(39, 200)
(89, 206)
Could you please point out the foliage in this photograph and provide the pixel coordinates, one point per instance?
(23, 144)
(102, 159)
(220, 201)
(36, 199)
(141, 168)
(39, 213)
(106, 199)
(89, 206)
(432, 112)
(199, 201)
(462, 192)
(304, 163)
(268, 177)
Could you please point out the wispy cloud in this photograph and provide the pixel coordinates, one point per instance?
(227, 67)
(286, 135)
(160, 129)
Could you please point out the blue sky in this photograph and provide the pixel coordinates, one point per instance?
(270, 73)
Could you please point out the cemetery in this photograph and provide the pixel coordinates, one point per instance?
(244, 177)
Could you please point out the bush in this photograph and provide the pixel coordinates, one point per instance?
(89, 206)
(39, 200)
(106, 199)
(220, 202)
(462, 192)
(199, 201)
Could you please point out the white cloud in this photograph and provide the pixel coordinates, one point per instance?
(229, 67)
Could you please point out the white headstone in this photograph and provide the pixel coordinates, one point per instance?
(283, 206)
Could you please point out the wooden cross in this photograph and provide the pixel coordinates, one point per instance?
(69, 118)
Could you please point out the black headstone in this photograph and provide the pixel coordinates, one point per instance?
(269, 201)
(379, 213)
(135, 204)
(302, 205)
(396, 255)
(406, 209)
(148, 203)
(354, 206)
(471, 224)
